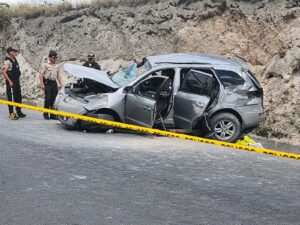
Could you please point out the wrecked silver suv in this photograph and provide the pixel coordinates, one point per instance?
(208, 95)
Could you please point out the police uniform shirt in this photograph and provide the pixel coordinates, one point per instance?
(7, 65)
(50, 71)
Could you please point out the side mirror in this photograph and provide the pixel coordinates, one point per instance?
(128, 89)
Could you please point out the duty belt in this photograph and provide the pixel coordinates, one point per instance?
(49, 81)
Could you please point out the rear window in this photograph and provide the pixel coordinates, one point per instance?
(229, 78)
(184, 72)
(253, 78)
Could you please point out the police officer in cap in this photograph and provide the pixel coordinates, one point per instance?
(91, 63)
(50, 80)
(11, 72)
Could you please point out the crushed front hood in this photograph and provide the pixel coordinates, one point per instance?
(89, 73)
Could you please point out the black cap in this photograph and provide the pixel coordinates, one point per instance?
(11, 49)
(91, 55)
(52, 53)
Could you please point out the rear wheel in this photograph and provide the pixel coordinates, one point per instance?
(226, 127)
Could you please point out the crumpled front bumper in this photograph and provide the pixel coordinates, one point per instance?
(78, 108)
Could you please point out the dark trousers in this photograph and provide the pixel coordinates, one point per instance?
(50, 93)
(17, 95)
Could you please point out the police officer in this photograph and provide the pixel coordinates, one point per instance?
(11, 72)
(50, 80)
(91, 63)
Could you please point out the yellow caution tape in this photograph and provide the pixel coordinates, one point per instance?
(154, 131)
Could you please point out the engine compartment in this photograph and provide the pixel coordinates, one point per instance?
(86, 87)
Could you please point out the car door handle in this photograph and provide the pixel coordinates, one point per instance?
(147, 108)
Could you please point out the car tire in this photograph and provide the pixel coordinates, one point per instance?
(225, 127)
(97, 127)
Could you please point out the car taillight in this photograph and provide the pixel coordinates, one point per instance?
(255, 97)
(258, 93)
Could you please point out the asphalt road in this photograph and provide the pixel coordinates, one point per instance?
(53, 176)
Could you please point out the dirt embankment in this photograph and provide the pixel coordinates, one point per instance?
(266, 34)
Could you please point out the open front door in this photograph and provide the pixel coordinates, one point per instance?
(192, 98)
(140, 105)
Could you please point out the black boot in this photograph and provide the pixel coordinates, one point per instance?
(53, 117)
(21, 115)
(46, 116)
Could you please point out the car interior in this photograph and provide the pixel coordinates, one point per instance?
(158, 86)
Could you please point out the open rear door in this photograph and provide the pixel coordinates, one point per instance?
(192, 98)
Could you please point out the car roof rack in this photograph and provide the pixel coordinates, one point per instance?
(183, 63)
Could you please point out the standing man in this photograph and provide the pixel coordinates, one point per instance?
(91, 63)
(50, 80)
(11, 72)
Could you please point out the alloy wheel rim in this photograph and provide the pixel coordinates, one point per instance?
(224, 130)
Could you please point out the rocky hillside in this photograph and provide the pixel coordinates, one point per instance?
(265, 33)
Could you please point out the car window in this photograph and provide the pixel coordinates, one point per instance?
(170, 73)
(198, 83)
(254, 79)
(229, 78)
(149, 87)
(125, 76)
(184, 72)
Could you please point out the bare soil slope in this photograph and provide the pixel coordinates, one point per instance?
(265, 33)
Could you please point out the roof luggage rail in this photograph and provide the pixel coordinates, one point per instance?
(183, 63)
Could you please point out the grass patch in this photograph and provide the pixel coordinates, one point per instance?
(269, 132)
(278, 134)
(262, 131)
(5, 16)
(29, 11)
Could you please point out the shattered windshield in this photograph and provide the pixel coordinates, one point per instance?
(125, 76)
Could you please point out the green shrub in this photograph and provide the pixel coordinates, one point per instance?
(262, 131)
(4, 17)
(278, 134)
(30, 11)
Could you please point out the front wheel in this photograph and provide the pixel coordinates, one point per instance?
(226, 127)
(84, 125)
